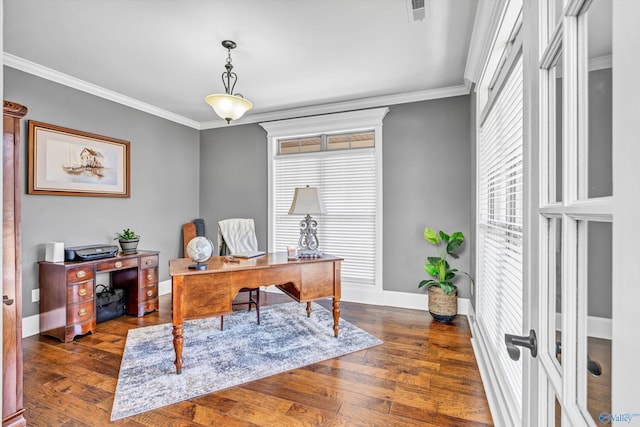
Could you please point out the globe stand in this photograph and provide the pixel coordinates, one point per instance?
(198, 266)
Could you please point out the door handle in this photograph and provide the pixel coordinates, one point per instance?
(529, 342)
(6, 300)
(593, 366)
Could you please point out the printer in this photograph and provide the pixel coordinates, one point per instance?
(90, 252)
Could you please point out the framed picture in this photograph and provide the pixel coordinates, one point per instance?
(67, 162)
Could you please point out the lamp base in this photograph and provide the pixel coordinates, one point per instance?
(309, 254)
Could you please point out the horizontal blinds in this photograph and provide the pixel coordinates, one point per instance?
(500, 209)
(347, 184)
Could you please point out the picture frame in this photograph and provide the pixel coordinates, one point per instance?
(68, 162)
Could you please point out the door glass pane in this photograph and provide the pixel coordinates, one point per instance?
(594, 349)
(557, 413)
(555, 287)
(598, 20)
(555, 129)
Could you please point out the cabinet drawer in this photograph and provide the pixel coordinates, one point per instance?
(117, 264)
(80, 312)
(149, 276)
(79, 274)
(148, 293)
(80, 292)
(149, 261)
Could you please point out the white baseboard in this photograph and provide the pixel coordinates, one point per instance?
(31, 324)
(597, 327)
(164, 287)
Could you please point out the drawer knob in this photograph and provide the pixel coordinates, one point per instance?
(82, 312)
(149, 262)
(82, 292)
(81, 273)
(118, 264)
(149, 276)
(149, 292)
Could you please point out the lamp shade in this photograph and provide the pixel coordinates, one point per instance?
(306, 201)
(229, 107)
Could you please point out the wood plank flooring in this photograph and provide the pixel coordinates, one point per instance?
(424, 374)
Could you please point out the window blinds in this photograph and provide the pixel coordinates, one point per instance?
(500, 209)
(347, 184)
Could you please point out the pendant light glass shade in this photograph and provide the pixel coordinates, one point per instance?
(229, 107)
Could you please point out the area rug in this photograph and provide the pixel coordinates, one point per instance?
(213, 360)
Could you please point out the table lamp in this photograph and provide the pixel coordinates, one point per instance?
(306, 201)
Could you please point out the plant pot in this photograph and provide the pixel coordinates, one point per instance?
(443, 307)
(129, 246)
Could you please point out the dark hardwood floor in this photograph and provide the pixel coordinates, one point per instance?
(424, 374)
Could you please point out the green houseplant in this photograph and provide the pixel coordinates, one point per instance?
(443, 293)
(128, 241)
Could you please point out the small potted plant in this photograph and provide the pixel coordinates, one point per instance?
(128, 241)
(443, 293)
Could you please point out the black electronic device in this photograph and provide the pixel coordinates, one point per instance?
(90, 252)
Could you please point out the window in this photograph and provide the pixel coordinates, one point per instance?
(500, 210)
(340, 154)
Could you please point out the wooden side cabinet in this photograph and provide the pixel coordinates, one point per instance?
(12, 402)
(67, 291)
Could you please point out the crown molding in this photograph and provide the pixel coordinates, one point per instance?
(81, 85)
(485, 25)
(339, 107)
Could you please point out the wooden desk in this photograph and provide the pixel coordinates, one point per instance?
(207, 293)
(67, 304)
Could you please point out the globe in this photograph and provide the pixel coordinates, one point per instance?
(199, 249)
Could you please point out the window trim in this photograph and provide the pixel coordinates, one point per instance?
(346, 122)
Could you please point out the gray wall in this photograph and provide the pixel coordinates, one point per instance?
(426, 181)
(164, 178)
(426, 167)
(233, 177)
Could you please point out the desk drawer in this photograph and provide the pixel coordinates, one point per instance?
(149, 261)
(79, 274)
(149, 276)
(117, 264)
(77, 313)
(80, 292)
(148, 293)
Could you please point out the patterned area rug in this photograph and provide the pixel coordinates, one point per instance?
(214, 359)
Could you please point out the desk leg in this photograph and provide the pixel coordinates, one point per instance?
(336, 316)
(308, 308)
(178, 341)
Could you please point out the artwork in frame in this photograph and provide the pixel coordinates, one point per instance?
(67, 162)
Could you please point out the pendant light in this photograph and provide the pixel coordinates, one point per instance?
(229, 106)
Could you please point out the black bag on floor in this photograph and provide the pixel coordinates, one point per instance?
(109, 303)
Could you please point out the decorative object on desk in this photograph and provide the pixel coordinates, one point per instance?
(67, 162)
(223, 359)
(292, 252)
(229, 106)
(54, 252)
(109, 303)
(128, 241)
(443, 293)
(199, 249)
(306, 201)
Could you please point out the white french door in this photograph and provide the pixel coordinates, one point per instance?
(581, 226)
(583, 361)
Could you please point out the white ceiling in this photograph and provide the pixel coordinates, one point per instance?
(166, 54)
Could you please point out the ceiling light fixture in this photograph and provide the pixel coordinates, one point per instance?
(229, 106)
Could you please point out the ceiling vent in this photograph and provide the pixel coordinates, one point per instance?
(416, 9)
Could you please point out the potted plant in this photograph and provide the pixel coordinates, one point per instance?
(443, 293)
(128, 241)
